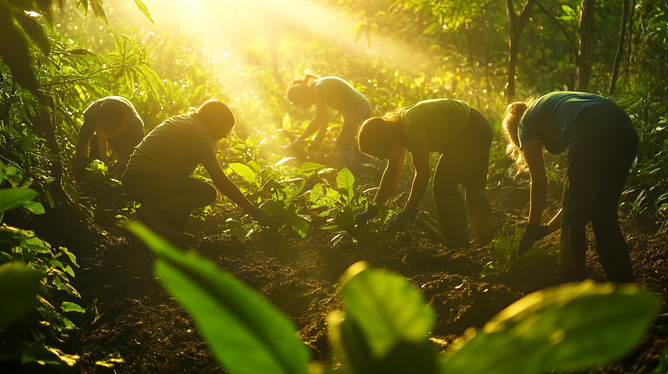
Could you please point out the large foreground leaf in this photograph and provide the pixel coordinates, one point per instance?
(13, 197)
(19, 285)
(246, 334)
(386, 308)
(562, 328)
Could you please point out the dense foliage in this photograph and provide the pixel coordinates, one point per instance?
(57, 59)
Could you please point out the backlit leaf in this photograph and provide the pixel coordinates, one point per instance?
(246, 333)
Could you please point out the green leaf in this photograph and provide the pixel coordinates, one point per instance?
(13, 197)
(35, 207)
(431, 28)
(345, 181)
(144, 10)
(15, 52)
(246, 173)
(309, 166)
(34, 30)
(96, 5)
(562, 328)
(72, 307)
(19, 285)
(386, 307)
(246, 333)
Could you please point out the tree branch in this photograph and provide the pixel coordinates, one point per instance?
(575, 50)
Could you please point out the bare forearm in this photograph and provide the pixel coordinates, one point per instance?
(420, 182)
(312, 127)
(388, 182)
(538, 197)
(230, 190)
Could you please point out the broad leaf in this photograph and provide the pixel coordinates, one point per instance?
(72, 307)
(13, 197)
(33, 29)
(572, 326)
(246, 173)
(246, 333)
(19, 285)
(388, 310)
(15, 52)
(344, 183)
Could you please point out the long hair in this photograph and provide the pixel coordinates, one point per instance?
(511, 121)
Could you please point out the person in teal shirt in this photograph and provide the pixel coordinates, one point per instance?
(602, 144)
(159, 171)
(463, 137)
(335, 93)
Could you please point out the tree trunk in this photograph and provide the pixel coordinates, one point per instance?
(515, 27)
(620, 48)
(586, 30)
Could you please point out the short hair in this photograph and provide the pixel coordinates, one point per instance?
(213, 111)
(110, 115)
(298, 87)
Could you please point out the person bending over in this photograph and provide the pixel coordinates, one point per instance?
(111, 120)
(601, 143)
(335, 93)
(463, 137)
(159, 171)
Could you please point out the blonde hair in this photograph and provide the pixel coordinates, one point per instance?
(510, 123)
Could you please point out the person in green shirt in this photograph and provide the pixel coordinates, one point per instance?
(602, 144)
(111, 120)
(335, 93)
(463, 137)
(159, 172)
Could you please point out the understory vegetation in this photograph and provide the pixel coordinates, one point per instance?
(58, 58)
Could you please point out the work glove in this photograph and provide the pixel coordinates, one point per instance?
(401, 221)
(262, 217)
(531, 235)
(361, 220)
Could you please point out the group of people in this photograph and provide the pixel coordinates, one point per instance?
(600, 138)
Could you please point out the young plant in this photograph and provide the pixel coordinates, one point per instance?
(278, 187)
(504, 254)
(385, 326)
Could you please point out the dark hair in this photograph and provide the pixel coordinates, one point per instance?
(212, 112)
(379, 130)
(110, 115)
(298, 87)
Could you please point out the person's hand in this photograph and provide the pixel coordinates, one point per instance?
(83, 162)
(262, 217)
(531, 235)
(361, 220)
(401, 220)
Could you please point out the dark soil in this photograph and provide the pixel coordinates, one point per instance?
(138, 321)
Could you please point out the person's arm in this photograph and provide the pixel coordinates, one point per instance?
(421, 179)
(533, 154)
(319, 122)
(85, 133)
(225, 185)
(390, 179)
(101, 144)
(119, 169)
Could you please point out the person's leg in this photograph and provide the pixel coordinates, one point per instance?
(349, 155)
(462, 161)
(597, 169)
(167, 199)
(573, 253)
(610, 243)
(478, 208)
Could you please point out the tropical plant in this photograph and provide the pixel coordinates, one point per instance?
(503, 253)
